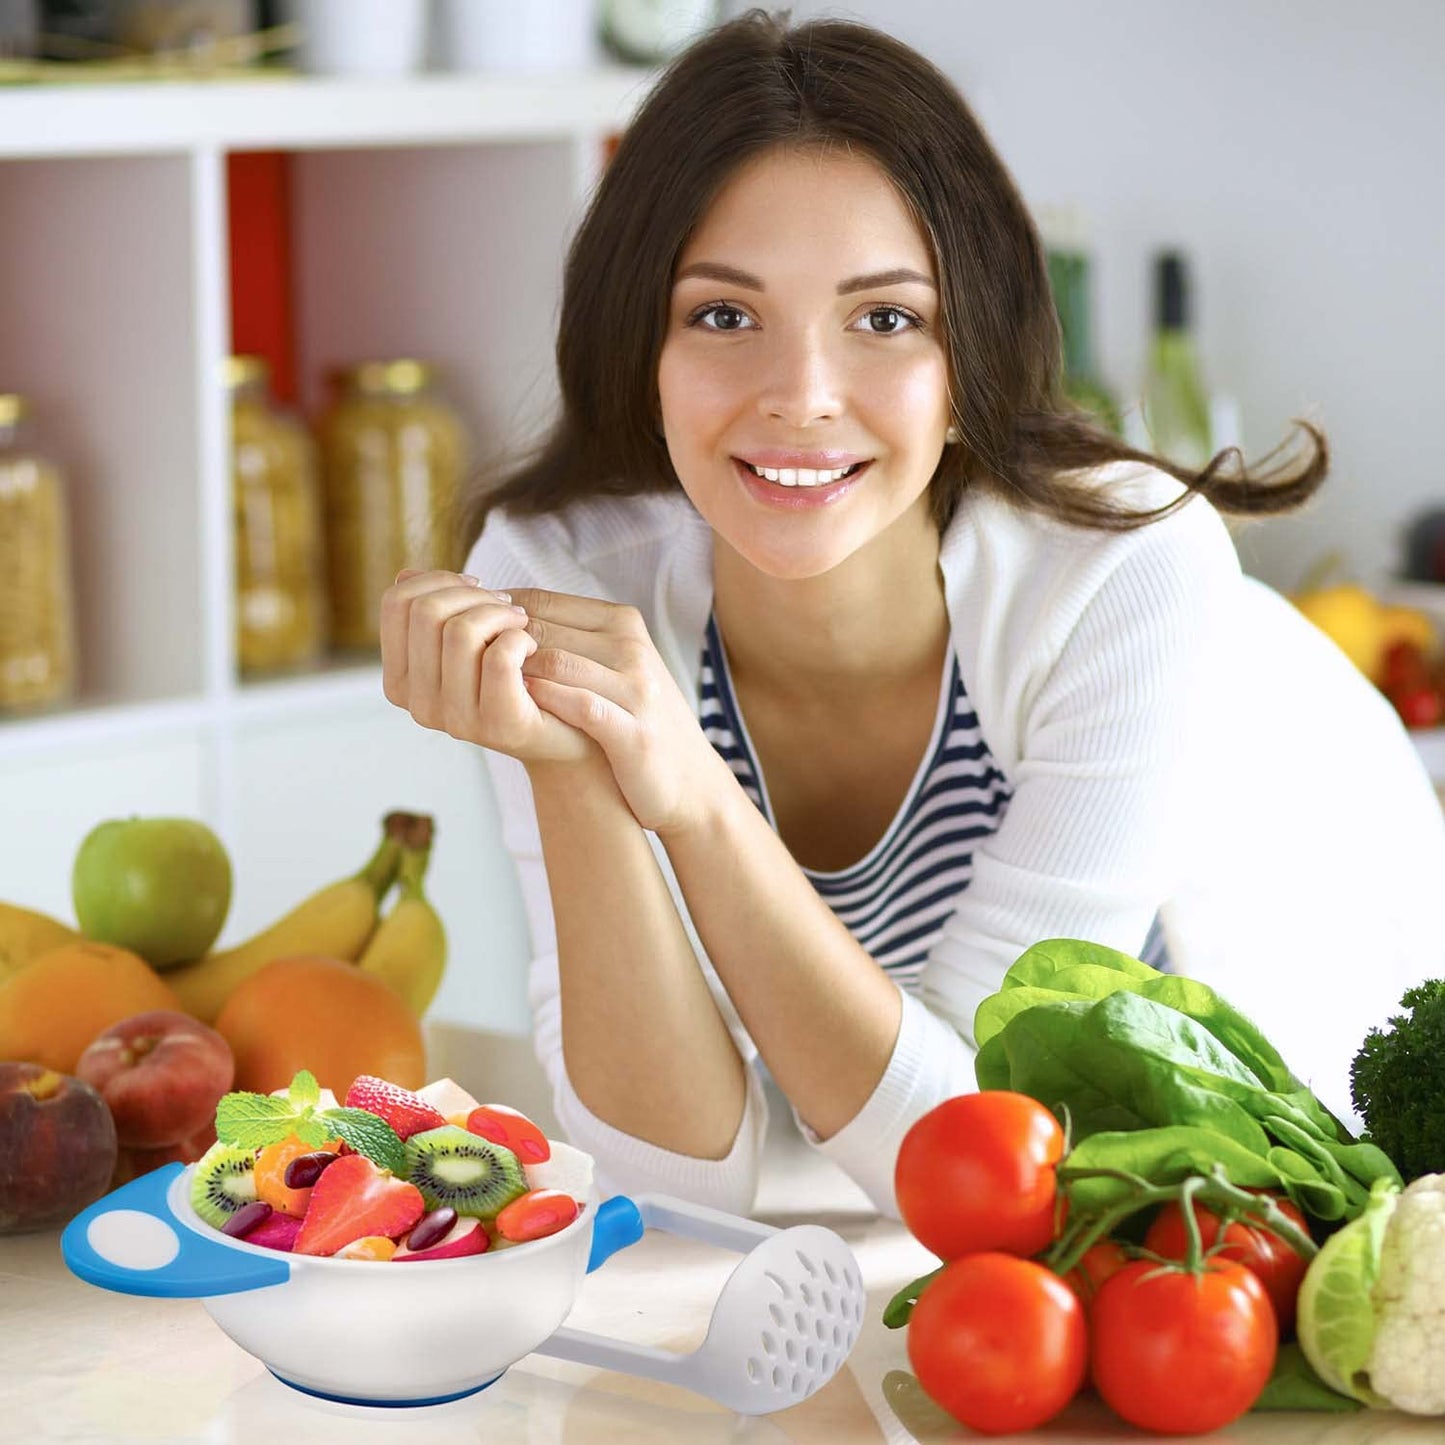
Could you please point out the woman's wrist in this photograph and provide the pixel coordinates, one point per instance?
(715, 792)
(591, 775)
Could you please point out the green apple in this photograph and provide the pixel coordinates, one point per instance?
(157, 886)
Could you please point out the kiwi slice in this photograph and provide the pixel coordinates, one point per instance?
(470, 1174)
(224, 1181)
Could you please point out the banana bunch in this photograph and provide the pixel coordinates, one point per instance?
(408, 951)
(406, 947)
(26, 934)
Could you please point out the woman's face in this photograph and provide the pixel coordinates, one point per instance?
(803, 380)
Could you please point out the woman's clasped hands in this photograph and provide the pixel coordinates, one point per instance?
(547, 677)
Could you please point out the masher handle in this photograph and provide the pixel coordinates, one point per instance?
(702, 1223)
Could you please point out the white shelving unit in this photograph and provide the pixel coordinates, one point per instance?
(430, 218)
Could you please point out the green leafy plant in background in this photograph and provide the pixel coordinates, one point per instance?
(1397, 1082)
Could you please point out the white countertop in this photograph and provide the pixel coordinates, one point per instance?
(79, 1363)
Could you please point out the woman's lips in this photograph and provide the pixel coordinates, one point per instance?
(794, 499)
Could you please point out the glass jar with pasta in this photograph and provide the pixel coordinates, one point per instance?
(37, 600)
(394, 454)
(280, 585)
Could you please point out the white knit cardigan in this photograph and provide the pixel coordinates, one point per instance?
(1178, 740)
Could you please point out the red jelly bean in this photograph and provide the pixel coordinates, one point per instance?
(510, 1129)
(538, 1213)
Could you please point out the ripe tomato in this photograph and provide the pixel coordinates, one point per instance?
(1278, 1268)
(977, 1173)
(1100, 1262)
(1181, 1353)
(1404, 665)
(999, 1342)
(1419, 707)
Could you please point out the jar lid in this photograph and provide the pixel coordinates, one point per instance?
(242, 371)
(394, 378)
(12, 408)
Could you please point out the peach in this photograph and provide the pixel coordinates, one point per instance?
(57, 1147)
(132, 1163)
(162, 1073)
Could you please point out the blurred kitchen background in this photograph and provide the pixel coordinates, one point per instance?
(276, 278)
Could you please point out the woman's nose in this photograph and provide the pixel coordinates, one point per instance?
(801, 382)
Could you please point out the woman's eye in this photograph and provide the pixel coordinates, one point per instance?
(719, 317)
(888, 320)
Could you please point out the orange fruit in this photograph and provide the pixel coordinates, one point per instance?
(318, 1013)
(369, 1246)
(270, 1174)
(52, 1009)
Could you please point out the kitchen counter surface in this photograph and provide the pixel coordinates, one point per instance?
(79, 1363)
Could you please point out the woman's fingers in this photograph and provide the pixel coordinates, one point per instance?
(414, 613)
(477, 620)
(513, 720)
(611, 649)
(587, 614)
(580, 707)
(574, 669)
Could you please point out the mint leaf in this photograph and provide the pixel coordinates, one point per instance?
(367, 1134)
(304, 1090)
(310, 1130)
(253, 1120)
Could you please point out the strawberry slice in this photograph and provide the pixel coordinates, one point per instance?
(406, 1112)
(355, 1198)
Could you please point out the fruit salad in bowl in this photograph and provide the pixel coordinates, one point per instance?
(387, 1176)
(289, 1230)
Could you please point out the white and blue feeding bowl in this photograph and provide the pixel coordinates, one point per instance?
(379, 1333)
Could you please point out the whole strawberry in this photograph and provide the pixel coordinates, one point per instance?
(406, 1112)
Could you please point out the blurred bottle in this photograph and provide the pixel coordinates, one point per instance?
(37, 605)
(1066, 247)
(280, 590)
(19, 29)
(1176, 406)
(394, 455)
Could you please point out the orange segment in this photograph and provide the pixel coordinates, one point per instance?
(370, 1246)
(271, 1174)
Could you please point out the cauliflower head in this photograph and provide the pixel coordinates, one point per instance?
(1407, 1364)
(1372, 1306)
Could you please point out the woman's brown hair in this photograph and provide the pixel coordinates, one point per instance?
(754, 84)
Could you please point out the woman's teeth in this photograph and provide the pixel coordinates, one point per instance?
(801, 476)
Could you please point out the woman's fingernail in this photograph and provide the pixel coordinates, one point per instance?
(505, 596)
(522, 610)
(470, 580)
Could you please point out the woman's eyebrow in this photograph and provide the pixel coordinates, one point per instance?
(716, 271)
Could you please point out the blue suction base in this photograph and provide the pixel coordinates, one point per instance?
(386, 1404)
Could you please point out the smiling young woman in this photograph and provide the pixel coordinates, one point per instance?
(839, 660)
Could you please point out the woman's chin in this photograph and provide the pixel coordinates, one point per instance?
(791, 564)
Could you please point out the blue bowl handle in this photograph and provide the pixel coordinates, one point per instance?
(618, 1224)
(130, 1241)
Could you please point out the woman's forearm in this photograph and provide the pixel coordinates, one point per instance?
(824, 1016)
(646, 1049)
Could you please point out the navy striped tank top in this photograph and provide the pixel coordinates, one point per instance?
(895, 900)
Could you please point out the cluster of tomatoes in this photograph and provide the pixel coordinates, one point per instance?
(1414, 682)
(1003, 1342)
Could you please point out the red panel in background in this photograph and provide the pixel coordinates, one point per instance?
(259, 190)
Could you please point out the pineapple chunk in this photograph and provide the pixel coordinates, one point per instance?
(447, 1097)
